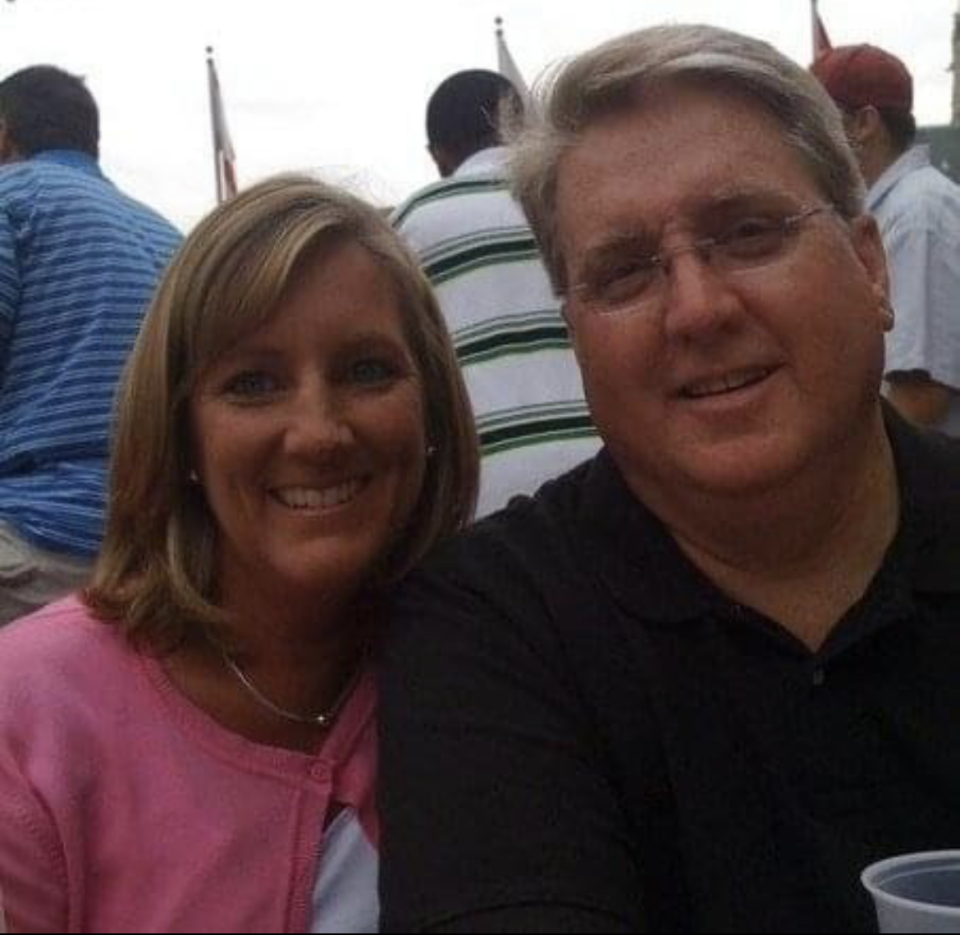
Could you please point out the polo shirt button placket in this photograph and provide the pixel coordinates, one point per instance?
(819, 677)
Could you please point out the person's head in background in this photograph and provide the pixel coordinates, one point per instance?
(464, 116)
(874, 91)
(44, 108)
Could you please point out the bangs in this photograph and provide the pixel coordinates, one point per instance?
(250, 282)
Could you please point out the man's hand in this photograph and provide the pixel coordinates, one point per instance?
(920, 399)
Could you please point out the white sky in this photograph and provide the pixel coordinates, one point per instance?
(340, 86)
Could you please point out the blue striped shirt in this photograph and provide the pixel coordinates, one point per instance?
(79, 262)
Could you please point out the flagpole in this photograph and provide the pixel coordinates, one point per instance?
(821, 39)
(507, 66)
(814, 18)
(218, 175)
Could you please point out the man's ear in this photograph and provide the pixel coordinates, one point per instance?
(8, 150)
(868, 244)
(863, 125)
(444, 160)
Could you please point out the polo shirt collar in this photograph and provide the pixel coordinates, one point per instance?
(71, 158)
(489, 161)
(634, 555)
(911, 161)
(648, 574)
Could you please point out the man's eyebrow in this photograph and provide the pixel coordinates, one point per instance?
(733, 199)
(638, 240)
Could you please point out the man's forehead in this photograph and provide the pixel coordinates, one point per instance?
(680, 127)
(629, 167)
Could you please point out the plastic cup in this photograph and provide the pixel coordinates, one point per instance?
(916, 892)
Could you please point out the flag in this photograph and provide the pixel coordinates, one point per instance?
(821, 41)
(508, 67)
(223, 152)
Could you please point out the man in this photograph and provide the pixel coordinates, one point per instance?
(704, 681)
(919, 213)
(477, 248)
(78, 263)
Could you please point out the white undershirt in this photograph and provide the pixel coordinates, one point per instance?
(345, 898)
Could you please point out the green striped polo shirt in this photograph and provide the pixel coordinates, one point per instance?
(476, 247)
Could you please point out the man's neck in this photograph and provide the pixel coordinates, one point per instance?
(803, 554)
(876, 159)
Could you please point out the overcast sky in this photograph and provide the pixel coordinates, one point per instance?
(340, 86)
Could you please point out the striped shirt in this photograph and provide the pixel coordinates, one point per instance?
(918, 209)
(478, 251)
(79, 261)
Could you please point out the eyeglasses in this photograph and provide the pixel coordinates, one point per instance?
(635, 284)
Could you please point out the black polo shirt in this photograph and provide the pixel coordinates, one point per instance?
(580, 733)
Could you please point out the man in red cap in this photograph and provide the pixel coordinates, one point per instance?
(918, 209)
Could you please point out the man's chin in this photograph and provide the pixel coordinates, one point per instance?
(750, 466)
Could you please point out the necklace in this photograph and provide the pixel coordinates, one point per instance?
(324, 719)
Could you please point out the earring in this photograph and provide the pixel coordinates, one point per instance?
(431, 452)
(194, 478)
(889, 313)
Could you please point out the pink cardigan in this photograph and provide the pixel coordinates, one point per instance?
(125, 808)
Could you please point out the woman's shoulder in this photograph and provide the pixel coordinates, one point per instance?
(61, 652)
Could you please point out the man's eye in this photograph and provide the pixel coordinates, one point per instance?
(252, 385)
(752, 236)
(626, 280)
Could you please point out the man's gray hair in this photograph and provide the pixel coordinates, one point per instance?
(611, 78)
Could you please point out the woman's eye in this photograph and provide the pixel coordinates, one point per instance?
(373, 372)
(252, 385)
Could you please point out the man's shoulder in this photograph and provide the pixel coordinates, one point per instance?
(51, 188)
(35, 175)
(939, 459)
(929, 466)
(446, 195)
(923, 196)
(20, 180)
(533, 543)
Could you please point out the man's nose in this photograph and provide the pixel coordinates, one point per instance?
(698, 300)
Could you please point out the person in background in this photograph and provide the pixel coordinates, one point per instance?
(918, 209)
(189, 746)
(478, 250)
(79, 261)
(699, 684)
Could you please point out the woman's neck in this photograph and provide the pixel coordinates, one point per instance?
(300, 652)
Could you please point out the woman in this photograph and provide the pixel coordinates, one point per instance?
(190, 745)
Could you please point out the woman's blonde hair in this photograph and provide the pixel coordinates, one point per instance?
(156, 576)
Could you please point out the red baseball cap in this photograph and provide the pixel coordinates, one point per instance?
(865, 76)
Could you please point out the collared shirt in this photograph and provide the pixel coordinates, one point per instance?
(527, 393)
(581, 733)
(918, 209)
(79, 261)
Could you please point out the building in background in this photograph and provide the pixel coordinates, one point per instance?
(945, 140)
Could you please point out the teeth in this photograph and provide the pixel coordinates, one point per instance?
(727, 384)
(308, 498)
